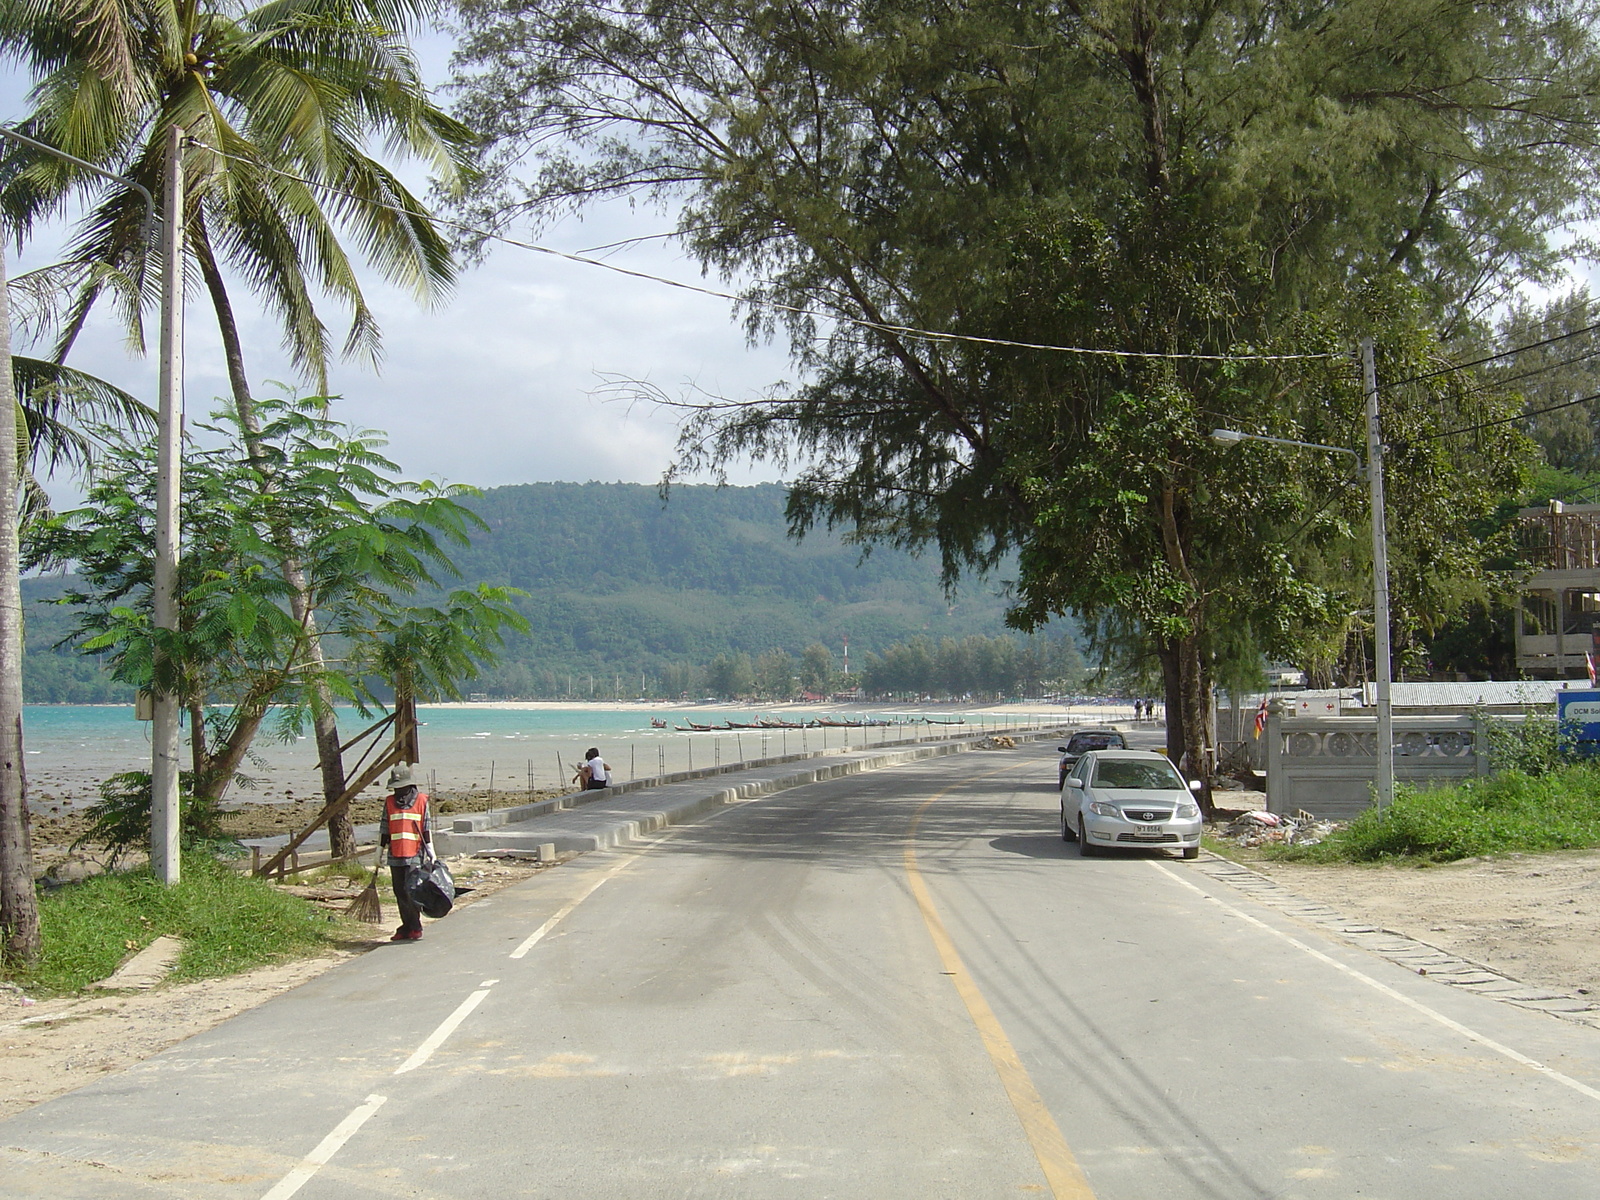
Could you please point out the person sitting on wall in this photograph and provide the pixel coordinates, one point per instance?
(594, 772)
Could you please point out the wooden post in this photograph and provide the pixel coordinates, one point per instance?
(402, 748)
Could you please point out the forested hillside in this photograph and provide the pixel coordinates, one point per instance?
(632, 593)
(621, 586)
(51, 676)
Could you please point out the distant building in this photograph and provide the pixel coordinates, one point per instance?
(1558, 621)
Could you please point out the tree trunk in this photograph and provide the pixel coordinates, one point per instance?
(220, 767)
(1195, 720)
(19, 902)
(1187, 690)
(1172, 697)
(341, 828)
(198, 753)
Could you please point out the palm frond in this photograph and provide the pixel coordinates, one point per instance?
(57, 401)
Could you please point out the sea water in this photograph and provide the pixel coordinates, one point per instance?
(70, 749)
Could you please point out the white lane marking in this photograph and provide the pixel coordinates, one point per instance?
(565, 911)
(326, 1149)
(1454, 1026)
(446, 1027)
(489, 983)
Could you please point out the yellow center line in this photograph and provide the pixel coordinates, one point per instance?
(1060, 1166)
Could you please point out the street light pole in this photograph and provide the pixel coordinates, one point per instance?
(1380, 558)
(164, 731)
(1383, 665)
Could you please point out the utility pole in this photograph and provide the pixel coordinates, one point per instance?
(165, 748)
(1383, 666)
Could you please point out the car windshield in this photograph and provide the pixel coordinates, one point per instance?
(1095, 741)
(1130, 774)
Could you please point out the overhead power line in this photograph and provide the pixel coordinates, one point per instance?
(1521, 416)
(1478, 362)
(1489, 384)
(910, 331)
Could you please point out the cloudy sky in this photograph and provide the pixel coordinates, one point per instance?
(497, 385)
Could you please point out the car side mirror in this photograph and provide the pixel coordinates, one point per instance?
(1075, 783)
(1195, 785)
(1061, 749)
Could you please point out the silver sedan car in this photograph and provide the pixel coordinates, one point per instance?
(1127, 799)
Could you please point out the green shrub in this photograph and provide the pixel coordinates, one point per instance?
(1533, 745)
(1556, 810)
(120, 820)
(228, 922)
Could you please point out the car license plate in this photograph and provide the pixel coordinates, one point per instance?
(1148, 830)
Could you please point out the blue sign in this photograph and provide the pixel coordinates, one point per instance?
(1578, 717)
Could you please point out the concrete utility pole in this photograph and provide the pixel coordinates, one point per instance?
(1383, 666)
(165, 732)
(6, 456)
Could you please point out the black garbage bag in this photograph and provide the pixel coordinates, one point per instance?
(432, 888)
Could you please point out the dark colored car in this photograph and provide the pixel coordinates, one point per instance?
(1081, 743)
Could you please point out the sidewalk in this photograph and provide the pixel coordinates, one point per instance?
(600, 819)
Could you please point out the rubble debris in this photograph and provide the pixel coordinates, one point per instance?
(1256, 828)
(997, 741)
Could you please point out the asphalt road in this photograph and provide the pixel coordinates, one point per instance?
(900, 984)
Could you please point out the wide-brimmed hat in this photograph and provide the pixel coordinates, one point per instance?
(400, 776)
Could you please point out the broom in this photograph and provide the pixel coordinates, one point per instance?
(366, 907)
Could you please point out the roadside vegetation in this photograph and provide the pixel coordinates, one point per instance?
(1537, 800)
(1510, 811)
(228, 923)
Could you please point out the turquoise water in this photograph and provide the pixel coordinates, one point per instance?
(71, 748)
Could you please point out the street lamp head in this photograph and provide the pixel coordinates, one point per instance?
(1228, 437)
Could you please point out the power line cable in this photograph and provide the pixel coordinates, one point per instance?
(1522, 416)
(910, 331)
(1478, 362)
(1489, 384)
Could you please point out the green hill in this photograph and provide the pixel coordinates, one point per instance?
(621, 587)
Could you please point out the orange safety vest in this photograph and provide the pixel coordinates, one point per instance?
(405, 825)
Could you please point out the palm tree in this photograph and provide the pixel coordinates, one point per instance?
(279, 103)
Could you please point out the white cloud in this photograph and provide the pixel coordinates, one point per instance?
(494, 386)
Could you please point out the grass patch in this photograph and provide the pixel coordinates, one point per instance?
(228, 922)
(340, 872)
(1559, 810)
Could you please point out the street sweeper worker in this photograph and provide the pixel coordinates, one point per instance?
(405, 831)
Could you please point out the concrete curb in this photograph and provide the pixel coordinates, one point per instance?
(584, 821)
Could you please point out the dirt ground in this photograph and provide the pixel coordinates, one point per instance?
(1534, 917)
(53, 1046)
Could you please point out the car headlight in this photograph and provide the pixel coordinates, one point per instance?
(1188, 811)
(1102, 809)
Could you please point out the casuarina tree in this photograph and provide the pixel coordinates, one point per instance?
(1027, 255)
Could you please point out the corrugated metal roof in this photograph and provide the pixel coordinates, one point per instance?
(1499, 693)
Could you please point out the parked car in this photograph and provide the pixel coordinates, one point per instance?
(1082, 742)
(1127, 799)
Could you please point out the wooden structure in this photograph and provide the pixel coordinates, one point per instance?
(1558, 619)
(401, 748)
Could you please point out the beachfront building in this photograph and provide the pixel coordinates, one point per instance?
(1558, 621)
